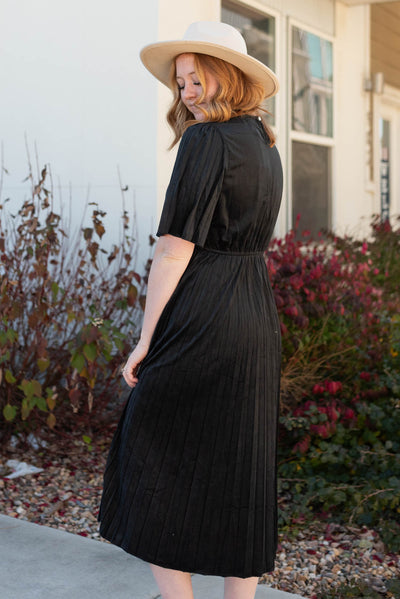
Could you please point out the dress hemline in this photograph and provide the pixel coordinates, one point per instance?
(201, 571)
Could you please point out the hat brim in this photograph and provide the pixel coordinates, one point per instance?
(158, 58)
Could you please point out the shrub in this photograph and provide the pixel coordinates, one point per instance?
(340, 423)
(330, 312)
(69, 312)
(359, 589)
(381, 252)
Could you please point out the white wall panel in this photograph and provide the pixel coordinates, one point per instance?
(314, 13)
(173, 20)
(72, 81)
(353, 193)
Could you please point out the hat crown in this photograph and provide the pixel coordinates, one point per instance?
(213, 32)
(212, 38)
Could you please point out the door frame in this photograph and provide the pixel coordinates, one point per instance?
(388, 108)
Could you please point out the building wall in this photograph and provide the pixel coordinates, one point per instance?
(174, 16)
(385, 58)
(354, 197)
(385, 41)
(314, 13)
(73, 83)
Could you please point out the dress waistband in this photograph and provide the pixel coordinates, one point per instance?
(229, 253)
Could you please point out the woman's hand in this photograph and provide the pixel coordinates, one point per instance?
(132, 364)
(171, 257)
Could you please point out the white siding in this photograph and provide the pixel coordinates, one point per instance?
(174, 18)
(72, 81)
(353, 194)
(319, 14)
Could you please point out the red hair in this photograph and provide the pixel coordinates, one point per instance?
(236, 95)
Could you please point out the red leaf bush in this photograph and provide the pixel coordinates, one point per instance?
(338, 301)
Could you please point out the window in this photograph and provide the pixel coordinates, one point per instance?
(258, 31)
(311, 182)
(312, 83)
(312, 130)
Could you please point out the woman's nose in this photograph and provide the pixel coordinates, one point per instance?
(188, 92)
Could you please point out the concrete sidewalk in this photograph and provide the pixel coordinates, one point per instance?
(38, 562)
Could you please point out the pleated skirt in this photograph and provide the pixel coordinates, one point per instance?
(190, 480)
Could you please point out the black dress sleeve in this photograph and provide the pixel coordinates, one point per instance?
(195, 185)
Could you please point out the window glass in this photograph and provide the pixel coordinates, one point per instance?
(311, 186)
(312, 83)
(384, 134)
(258, 31)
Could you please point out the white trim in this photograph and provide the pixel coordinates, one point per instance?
(256, 6)
(335, 116)
(370, 141)
(312, 138)
(281, 116)
(301, 25)
(358, 2)
(391, 95)
(387, 107)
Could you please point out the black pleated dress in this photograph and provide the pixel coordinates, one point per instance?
(190, 481)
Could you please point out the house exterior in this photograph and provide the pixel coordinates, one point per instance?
(76, 95)
(337, 115)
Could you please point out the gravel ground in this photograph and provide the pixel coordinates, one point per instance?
(66, 495)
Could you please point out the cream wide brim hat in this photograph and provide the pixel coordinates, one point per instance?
(215, 39)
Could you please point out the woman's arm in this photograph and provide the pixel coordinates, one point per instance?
(171, 258)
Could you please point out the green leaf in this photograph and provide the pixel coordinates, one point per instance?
(11, 335)
(9, 412)
(41, 403)
(43, 364)
(25, 409)
(107, 354)
(54, 289)
(3, 338)
(31, 388)
(90, 352)
(27, 388)
(78, 361)
(9, 377)
(5, 357)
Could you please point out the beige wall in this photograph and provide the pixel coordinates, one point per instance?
(73, 84)
(385, 41)
(314, 13)
(354, 197)
(173, 18)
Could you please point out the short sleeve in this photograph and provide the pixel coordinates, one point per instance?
(195, 185)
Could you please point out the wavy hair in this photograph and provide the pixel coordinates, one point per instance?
(236, 95)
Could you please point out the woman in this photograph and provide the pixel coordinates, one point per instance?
(190, 482)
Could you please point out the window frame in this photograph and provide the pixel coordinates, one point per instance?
(302, 136)
(256, 7)
(388, 108)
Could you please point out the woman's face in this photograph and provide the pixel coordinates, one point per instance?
(190, 87)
